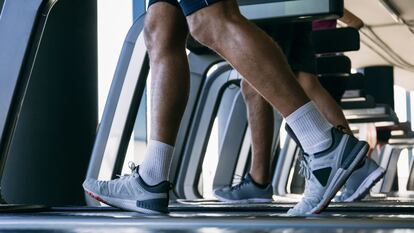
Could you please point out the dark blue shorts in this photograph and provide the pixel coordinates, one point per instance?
(188, 6)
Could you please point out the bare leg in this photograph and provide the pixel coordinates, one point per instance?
(251, 52)
(165, 36)
(260, 116)
(323, 100)
(166, 32)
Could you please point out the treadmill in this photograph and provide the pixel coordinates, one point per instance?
(209, 75)
(26, 21)
(128, 85)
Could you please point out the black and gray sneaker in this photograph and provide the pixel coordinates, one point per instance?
(131, 193)
(361, 181)
(327, 171)
(247, 191)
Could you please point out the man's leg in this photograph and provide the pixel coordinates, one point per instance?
(255, 187)
(323, 100)
(260, 116)
(165, 36)
(146, 189)
(260, 61)
(261, 121)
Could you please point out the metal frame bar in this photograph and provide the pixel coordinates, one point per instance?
(383, 158)
(244, 157)
(232, 143)
(199, 67)
(284, 164)
(410, 183)
(193, 156)
(278, 121)
(391, 170)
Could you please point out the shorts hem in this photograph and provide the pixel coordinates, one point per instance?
(190, 6)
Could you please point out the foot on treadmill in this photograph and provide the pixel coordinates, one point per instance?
(361, 181)
(327, 171)
(130, 192)
(247, 191)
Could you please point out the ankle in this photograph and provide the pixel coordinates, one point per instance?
(156, 165)
(260, 179)
(311, 128)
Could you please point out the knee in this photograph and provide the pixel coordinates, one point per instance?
(209, 29)
(150, 33)
(162, 35)
(202, 32)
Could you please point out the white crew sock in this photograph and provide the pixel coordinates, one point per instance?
(311, 128)
(156, 165)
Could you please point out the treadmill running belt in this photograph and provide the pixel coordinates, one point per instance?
(118, 221)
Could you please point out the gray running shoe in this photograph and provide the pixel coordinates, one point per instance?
(247, 191)
(361, 181)
(130, 193)
(327, 171)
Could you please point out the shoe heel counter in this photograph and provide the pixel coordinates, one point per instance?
(347, 156)
(353, 148)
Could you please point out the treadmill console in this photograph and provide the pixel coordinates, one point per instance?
(291, 9)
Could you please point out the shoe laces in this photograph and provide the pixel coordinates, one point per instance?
(304, 169)
(134, 173)
(239, 185)
(237, 178)
(133, 169)
(123, 182)
(311, 195)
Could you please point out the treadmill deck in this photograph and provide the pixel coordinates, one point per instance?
(229, 219)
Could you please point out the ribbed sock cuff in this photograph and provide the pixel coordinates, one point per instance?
(311, 128)
(156, 165)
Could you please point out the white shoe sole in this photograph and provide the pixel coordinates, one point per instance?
(341, 176)
(366, 185)
(125, 204)
(244, 201)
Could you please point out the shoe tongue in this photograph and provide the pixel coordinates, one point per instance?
(248, 177)
(306, 158)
